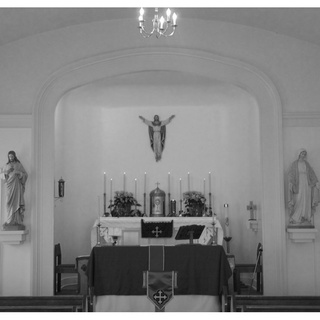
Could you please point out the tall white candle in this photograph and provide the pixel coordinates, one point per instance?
(135, 188)
(204, 187)
(99, 208)
(188, 181)
(124, 181)
(209, 182)
(180, 189)
(168, 182)
(104, 183)
(110, 189)
(145, 183)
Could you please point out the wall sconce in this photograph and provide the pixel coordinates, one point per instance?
(252, 222)
(61, 189)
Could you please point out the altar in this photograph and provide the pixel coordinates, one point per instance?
(115, 275)
(127, 231)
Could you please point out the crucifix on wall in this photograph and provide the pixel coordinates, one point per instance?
(252, 207)
(157, 134)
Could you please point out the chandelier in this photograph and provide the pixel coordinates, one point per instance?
(161, 27)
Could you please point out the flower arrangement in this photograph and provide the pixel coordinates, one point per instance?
(194, 203)
(121, 207)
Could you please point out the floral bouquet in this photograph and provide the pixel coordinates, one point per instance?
(194, 203)
(121, 207)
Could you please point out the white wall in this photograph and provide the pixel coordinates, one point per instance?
(98, 130)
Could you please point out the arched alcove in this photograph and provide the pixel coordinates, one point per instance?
(130, 61)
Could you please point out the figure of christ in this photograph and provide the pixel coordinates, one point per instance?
(157, 134)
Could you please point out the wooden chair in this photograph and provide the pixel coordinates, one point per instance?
(250, 268)
(60, 268)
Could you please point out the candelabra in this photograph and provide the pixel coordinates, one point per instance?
(160, 27)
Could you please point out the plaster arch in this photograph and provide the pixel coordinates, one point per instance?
(151, 59)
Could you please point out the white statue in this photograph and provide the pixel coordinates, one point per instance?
(157, 134)
(303, 191)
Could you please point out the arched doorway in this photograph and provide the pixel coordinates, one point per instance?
(204, 64)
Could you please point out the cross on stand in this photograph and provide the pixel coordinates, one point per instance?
(251, 207)
(157, 231)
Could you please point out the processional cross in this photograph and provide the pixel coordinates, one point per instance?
(251, 207)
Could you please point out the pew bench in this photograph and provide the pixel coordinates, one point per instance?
(258, 303)
(65, 303)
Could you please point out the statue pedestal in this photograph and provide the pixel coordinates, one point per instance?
(13, 237)
(302, 234)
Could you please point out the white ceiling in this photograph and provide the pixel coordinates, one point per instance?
(301, 23)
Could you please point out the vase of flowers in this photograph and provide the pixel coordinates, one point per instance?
(194, 203)
(122, 205)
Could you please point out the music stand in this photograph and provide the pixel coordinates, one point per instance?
(189, 232)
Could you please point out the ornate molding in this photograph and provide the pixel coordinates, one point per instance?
(15, 121)
(301, 119)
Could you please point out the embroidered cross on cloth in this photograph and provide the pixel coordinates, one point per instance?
(160, 283)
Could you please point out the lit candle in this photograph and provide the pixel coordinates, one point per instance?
(135, 188)
(180, 188)
(188, 181)
(204, 187)
(168, 182)
(209, 182)
(145, 183)
(105, 183)
(124, 181)
(110, 189)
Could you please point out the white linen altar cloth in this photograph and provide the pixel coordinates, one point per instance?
(127, 229)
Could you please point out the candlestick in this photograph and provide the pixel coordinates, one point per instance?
(188, 181)
(227, 222)
(124, 181)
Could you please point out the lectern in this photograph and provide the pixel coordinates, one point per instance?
(190, 232)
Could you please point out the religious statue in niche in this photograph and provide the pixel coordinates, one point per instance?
(15, 177)
(303, 192)
(157, 134)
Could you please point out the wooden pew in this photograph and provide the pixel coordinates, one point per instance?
(258, 303)
(63, 303)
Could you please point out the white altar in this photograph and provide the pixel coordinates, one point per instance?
(128, 231)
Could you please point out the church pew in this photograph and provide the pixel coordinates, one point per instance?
(71, 303)
(258, 303)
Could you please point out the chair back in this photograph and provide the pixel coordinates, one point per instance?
(81, 266)
(57, 254)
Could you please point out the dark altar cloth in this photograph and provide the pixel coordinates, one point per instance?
(118, 270)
